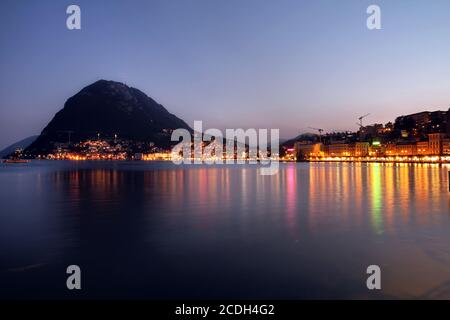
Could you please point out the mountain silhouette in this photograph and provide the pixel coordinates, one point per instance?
(109, 108)
(22, 144)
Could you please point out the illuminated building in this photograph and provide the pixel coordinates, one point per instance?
(361, 149)
(420, 124)
(391, 149)
(159, 156)
(446, 146)
(307, 150)
(340, 149)
(435, 143)
(376, 149)
(423, 148)
(406, 149)
(289, 154)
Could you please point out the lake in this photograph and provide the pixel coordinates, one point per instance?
(158, 230)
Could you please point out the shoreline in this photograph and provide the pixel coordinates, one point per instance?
(379, 161)
(324, 160)
(414, 160)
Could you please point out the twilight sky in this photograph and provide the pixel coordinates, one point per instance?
(231, 63)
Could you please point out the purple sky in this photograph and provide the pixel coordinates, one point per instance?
(235, 63)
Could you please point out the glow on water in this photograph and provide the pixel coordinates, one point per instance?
(167, 231)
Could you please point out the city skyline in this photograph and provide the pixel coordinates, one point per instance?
(231, 64)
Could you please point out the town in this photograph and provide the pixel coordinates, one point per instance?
(418, 137)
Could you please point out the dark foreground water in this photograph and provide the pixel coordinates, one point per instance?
(156, 230)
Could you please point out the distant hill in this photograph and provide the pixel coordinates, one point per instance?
(22, 144)
(303, 137)
(109, 108)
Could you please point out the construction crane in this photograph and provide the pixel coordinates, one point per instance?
(360, 124)
(320, 133)
(361, 119)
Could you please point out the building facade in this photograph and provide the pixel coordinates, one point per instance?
(435, 141)
(422, 148)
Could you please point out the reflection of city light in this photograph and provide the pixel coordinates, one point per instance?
(376, 206)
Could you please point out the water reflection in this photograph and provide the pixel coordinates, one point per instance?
(160, 230)
(376, 198)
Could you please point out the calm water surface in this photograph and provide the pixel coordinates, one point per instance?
(156, 230)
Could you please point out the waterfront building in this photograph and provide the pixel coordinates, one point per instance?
(391, 150)
(340, 149)
(446, 146)
(406, 149)
(423, 148)
(305, 150)
(436, 143)
(290, 154)
(377, 149)
(361, 149)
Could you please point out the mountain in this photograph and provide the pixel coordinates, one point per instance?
(22, 144)
(109, 108)
(302, 137)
